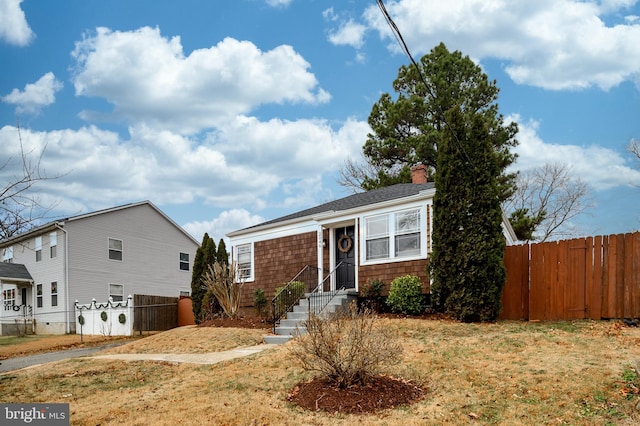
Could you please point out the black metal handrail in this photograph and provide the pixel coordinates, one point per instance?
(318, 300)
(292, 292)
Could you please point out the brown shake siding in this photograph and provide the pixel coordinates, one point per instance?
(277, 261)
(388, 271)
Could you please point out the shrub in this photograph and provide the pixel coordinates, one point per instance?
(260, 302)
(371, 292)
(221, 280)
(347, 347)
(405, 295)
(291, 295)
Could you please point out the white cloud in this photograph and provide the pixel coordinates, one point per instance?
(553, 44)
(148, 78)
(600, 167)
(227, 221)
(279, 3)
(243, 164)
(36, 95)
(14, 28)
(349, 33)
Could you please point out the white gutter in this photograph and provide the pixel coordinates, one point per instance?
(66, 277)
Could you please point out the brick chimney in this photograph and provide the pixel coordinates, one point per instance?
(419, 174)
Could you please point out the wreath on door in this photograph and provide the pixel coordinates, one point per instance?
(341, 243)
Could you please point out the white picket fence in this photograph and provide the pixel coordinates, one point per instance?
(106, 319)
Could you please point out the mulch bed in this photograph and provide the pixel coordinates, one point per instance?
(380, 393)
(240, 322)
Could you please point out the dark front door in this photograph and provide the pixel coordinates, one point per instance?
(345, 253)
(23, 296)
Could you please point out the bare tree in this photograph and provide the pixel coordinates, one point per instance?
(20, 208)
(551, 198)
(634, 148)
(353, 173)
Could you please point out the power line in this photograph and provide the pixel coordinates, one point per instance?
(398, 36)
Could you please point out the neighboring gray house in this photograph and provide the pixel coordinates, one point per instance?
(116, 252)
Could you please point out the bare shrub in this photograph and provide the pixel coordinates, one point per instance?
(222, 280)
(348, 347)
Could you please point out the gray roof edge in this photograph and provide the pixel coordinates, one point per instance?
(60, 222)
(425, 190)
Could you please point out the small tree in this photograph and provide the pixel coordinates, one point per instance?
(347, 347)
(223, 282)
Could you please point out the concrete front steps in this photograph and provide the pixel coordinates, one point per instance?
(294, 321)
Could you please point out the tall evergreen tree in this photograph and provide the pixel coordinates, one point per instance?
(466, 264)
(407, 129)
(205, 256)
(222, 255)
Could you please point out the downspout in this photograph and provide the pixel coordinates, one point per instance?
(66, 277)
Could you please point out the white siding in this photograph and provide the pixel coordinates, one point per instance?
(150, 256)
(49, 319)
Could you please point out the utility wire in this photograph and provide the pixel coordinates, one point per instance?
(403, 45)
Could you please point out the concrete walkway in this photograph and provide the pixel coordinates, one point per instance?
(206, 358)
(18, 363)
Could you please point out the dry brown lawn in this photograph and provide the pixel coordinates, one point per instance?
(511, 373)
(12, 346)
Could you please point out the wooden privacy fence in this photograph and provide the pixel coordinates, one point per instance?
(154, 313)
(594, 277)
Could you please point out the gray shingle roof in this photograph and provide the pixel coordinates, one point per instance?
(14, 271)
(361, 199)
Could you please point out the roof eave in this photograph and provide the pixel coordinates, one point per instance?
(332, 214)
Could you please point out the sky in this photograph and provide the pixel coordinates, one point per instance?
(229, 113)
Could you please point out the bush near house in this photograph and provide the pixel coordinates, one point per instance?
(371, 295)
(289, 294)
(405, 295)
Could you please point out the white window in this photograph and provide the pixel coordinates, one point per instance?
(39, 295)
(53, 244)
(38, 249)
(393, 235)
(407, 233)
(7, 254)
(116, 292)
(115, 249)
(54, 293)
(377, 230)
(244, 259)
(9, 297)
(184, 261)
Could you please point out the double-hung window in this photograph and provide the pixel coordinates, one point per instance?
(184, 261)
(54, 293)
(7, 254)
(377, 228)
(9, 297)
(393, 235)
(38, 249)
(407, 235)
(39, 295)
(116, 292)
(53, 244)
(115, 249)
(244, 259)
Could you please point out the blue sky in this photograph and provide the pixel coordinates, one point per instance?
(229, 113)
